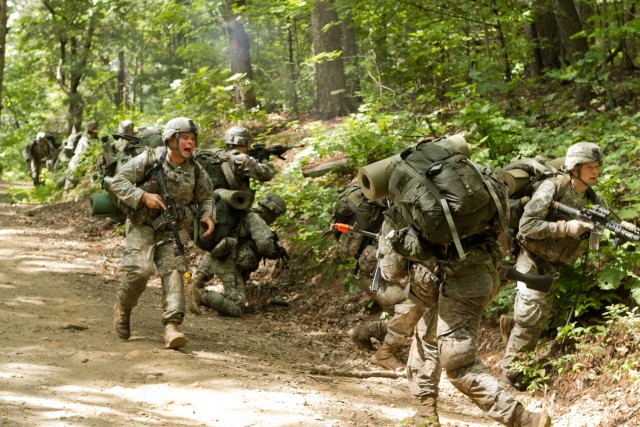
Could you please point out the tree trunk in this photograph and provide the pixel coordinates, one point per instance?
(293, 79)
(569, 25)
(543, 34)
(3, 39)
(333, 99)
(120, 92)
(350, 56)
(239, 55)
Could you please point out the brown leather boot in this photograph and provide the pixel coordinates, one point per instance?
(506, 326)
(524, 418)
(387, 358)
(361, 335)
(428, 412)
(173, 338)
(121, 321)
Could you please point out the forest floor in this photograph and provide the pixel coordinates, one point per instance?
(61, 363)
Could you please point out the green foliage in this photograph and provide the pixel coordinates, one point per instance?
(502, 303)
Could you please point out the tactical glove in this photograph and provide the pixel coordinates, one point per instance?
(573, 228)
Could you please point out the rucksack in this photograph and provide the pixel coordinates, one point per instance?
(71, 143)
(443, 195)
(212, 160)
(522, 178)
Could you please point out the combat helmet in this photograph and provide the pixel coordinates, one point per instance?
(125, 127)
(91, 126)
(582, 152)
(237, 136)
(273, 202)
(177, 125)
(40, 136)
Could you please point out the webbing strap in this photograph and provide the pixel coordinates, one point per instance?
(445, 208)
(230, 176)
(496, 200)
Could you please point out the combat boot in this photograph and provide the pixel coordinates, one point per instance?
(506, 326)
(218, 302)
(387, 358)
(361, 335)
(173, 338)
(428, 412)
(524, 418)
(121, 321)
(194, 294)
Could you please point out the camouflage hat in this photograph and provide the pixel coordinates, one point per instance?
(91, 126)
(177, 125)
(125, 127)
(40, 136)
(237, 135)
(582, 152)
(273, 202)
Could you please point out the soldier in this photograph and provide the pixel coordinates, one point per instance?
(36, 152)
(549, 240)
(453, 291)
(236, 256)
(125, 129)
(354, 209)
(237, 139)
(90, 135)
(189, 185)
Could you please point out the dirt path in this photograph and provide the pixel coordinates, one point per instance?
(62, 365)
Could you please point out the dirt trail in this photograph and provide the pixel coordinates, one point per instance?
(62, 365)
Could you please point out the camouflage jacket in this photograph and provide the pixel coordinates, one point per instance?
(33, 151)
(187, 183)
(246, 166)
(254, 228)
(538, 231)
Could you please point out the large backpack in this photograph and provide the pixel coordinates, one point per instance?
(70, 145)
(214, 161)
(523, 177)
(443, 195)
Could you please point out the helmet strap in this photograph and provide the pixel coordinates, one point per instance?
(578, 176)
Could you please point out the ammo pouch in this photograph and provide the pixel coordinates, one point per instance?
(163, 222)
(425, 283)
(247, 257)
(408, 243)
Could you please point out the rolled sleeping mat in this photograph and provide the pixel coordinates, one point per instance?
(100, 204)
(515, 180)
(557, 163)
(237, 199)
(374, 178)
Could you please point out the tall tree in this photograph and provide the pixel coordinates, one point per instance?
(239, 54)
(74, 28)
(3, 40)
(333, 98)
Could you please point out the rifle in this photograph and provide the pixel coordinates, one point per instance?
(129, 138)
(171, 216)
(598, 217)
(346, 228)
(536, 282)
(261, 152)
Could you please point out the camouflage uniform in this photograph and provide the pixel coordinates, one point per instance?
(89, 136)
(540, 237)
(189, 184)
(450, 311)
(251, 228)
(35, 152)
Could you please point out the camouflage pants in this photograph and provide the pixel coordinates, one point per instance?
(530, 313)
(229, 274)
(141, 259)
(447, 337)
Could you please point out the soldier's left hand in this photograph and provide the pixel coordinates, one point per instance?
(210, 224)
